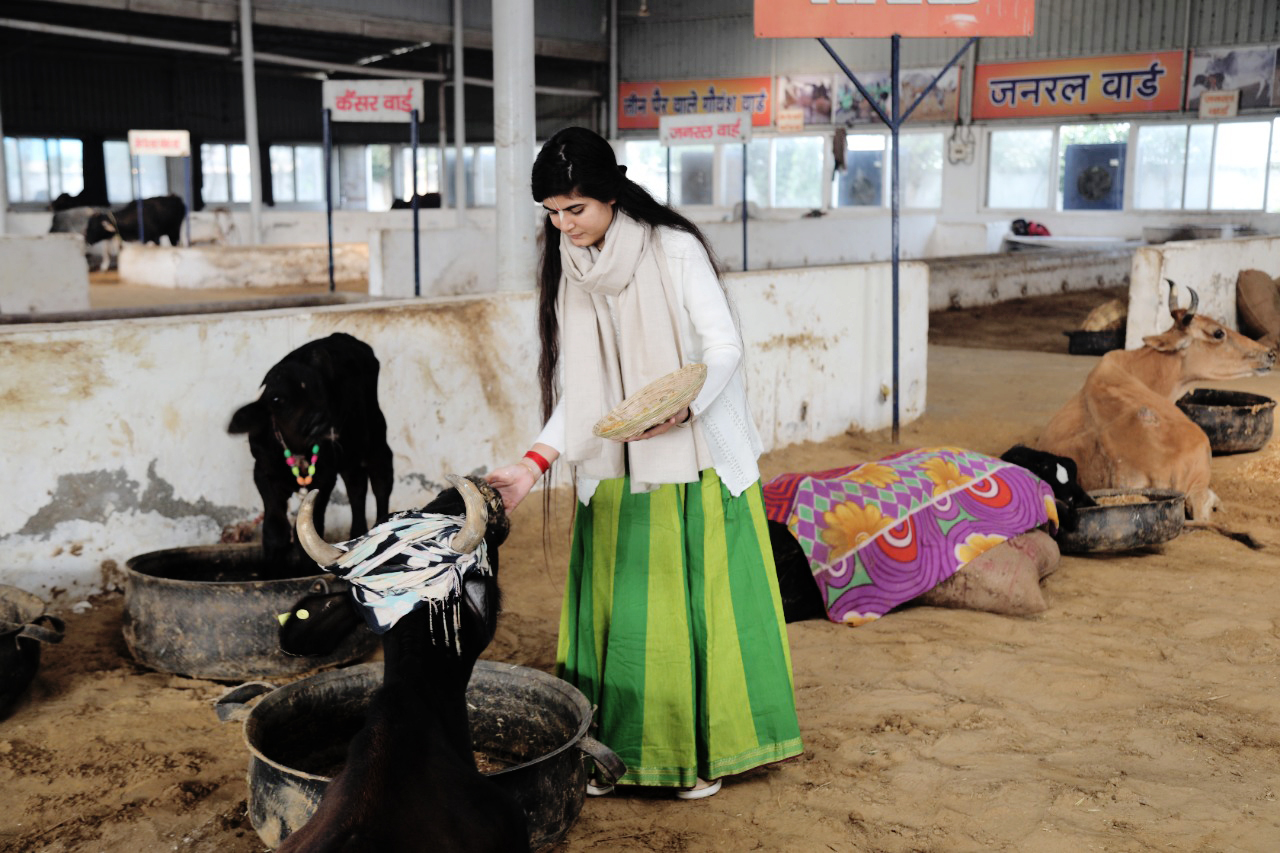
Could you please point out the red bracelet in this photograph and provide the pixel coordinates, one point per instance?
(538, 460)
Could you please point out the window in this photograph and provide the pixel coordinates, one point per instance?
(921, 164)
(39, 170)
(1159, 159)
(798, 163)
(479, 164)
(781, 171)
(1018, 168)
(861, 184)
(759, 156)
(1206, 166)
(865, 179)
(647, 165)
(224, 170)
(297, 173)
(153, 173)
(379, 180)
(428, 171)
(1239, 179)
(1273, 184)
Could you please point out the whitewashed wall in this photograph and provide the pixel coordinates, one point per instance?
(1209, 267)
(114, 431)
(43, 273)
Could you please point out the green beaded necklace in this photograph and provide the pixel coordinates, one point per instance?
(295, 462)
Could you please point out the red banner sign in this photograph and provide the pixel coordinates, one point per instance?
(875, 18)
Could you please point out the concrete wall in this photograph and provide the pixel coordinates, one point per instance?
(206, 266)
(43, 273)
(114, 431)
(1209, 267)
(966, 282)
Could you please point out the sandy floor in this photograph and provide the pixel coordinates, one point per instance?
(1137, 713)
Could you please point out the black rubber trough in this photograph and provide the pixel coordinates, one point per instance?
(211, 611)
(527, 727)
(1236, 422)
(1125, 519)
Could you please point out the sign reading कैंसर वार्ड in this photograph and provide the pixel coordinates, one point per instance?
(373, 100)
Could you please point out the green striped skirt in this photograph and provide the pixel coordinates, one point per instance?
(672, 624)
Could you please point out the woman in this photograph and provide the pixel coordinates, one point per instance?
(672, 622)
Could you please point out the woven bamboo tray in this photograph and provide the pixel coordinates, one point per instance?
(652, 404)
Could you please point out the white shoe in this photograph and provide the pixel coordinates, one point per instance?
(598, 790)
(699, 791)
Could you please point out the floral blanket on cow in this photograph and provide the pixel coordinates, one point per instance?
(882, 533)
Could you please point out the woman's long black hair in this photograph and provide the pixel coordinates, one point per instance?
(577, 161)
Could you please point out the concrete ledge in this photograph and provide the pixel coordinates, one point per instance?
(973, 280)
(43, 273)
(241, 266)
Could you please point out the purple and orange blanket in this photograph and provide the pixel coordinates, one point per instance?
(882, 533)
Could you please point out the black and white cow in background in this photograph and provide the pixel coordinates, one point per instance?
(75, 220)
(317, 417)
(410, 781)
(162, 216)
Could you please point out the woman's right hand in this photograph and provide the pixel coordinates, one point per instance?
(513, 482)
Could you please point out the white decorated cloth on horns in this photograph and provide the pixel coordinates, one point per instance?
(406, 563)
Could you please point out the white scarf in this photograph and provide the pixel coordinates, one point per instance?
(601, 368)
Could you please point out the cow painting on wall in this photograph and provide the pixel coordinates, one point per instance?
(317, 417)
(1249, 70)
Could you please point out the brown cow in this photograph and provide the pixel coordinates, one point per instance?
(1123, 428)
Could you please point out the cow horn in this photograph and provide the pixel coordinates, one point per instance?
(1195, 302)
(317, 549)
(477, 520)
(1173, 295)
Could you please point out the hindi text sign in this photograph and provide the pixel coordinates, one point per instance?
(642, 105)
(1220, 104)
(160, 143)
(704, 129)
(373, 100)
(1134, 83)
(875, 18)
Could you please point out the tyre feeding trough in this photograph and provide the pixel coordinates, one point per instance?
(529, 730)
(210, 611)
(23, 627)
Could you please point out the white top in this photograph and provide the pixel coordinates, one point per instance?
(709, 335)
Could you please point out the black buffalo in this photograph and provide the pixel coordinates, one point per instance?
(162, 216)
(410, 781)
(321, 401)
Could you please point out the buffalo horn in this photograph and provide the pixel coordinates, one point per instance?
(477, 520)
(317, 549)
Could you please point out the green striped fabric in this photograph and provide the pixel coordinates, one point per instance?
(672, 624)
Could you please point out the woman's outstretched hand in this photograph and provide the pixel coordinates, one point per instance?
(513, 482)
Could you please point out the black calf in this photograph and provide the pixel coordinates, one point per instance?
(319, 401)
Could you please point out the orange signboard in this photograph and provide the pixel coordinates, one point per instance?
(1133, 83)
(875, 18)
(640, 105)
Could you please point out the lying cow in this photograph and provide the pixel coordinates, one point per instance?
(162, 216)
(317, 417)
(75, 220)
(428, 582)
(1123, 428)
